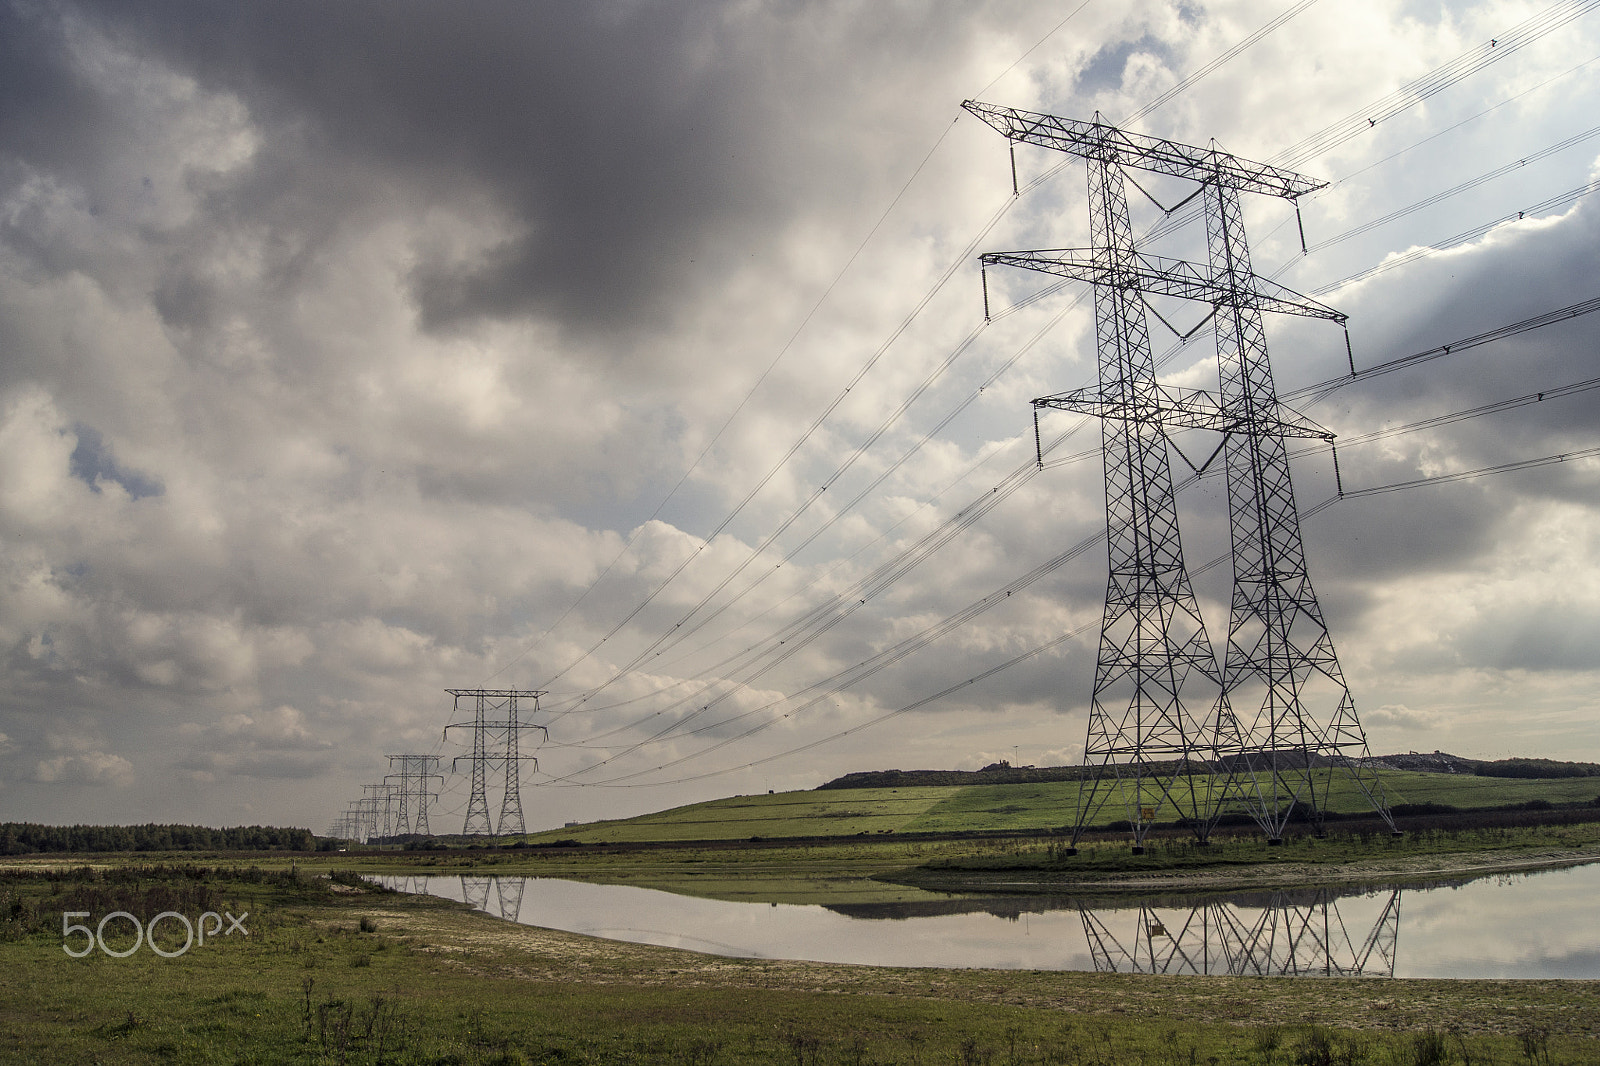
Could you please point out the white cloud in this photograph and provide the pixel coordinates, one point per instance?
(85, 768)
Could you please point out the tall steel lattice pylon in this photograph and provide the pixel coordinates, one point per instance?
(496, 741)
(1144, 740)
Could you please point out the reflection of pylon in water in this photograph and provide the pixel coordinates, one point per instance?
(1297, 934)
(509, 892)
(475, 891)
(1155, 665)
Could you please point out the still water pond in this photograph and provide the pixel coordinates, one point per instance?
(1537, 925)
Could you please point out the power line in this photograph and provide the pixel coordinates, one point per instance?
(1445, 349)
(1303, 5)
(1469, 475)
(1063, 638)
(1563, 314)
(1456, 190)
(1185, 83)
(1191, 79)
(1437, 80)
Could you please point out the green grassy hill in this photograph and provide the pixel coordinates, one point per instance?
(1015, 807)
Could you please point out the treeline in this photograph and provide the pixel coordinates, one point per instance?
(1440, 762)
(1536, 768)
(27, 838)
(1003, 773)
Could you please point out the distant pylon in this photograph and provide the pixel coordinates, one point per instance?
(1153, 640)
(496, 740)
(415, 773)
(381, 796)
(366, 814)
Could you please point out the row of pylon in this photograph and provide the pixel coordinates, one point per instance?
(398, 805)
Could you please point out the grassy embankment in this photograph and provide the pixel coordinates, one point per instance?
(1031, 808)
(334, 972)
(790, 848)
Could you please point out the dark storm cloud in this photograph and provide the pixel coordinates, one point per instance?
(622, 141)
(48, 114)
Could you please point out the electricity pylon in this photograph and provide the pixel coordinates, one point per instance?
(415, 773)
(487, 735)
(381, 796)
(364, 815)
(1154, 652)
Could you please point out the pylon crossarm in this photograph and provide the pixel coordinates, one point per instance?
(1178, 408)
(498, 693)
(1097, 140)
(1166, 277)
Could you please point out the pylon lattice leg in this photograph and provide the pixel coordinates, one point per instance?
(477, 821)
(1280, 672)
(1155, 656)
(511, 803)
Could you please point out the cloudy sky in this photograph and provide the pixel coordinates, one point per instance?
(354, 352)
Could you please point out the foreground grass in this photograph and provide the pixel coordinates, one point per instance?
(333, 972)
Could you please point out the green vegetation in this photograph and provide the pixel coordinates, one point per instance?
(336, 972)
(1027, 808)
(1003, 773)
(27, 838)
(1343, 855)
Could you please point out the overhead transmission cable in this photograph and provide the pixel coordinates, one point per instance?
(1549, 151)
(1414, 92)
(866, 668)
(1231, 53)
(1068, 460)
(717, 437)
(1190, 79)
(1503, 331)
(1494, 408)
(1314, 393)
(630, 780)
(1528, 31)
(889, 470)
(1437, 80)
(1456, 190)
(767, 478)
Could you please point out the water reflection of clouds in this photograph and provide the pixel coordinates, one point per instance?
(1541, 925)
(1534, 926)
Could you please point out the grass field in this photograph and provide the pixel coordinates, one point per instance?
(1018, 808)
(335, 972)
